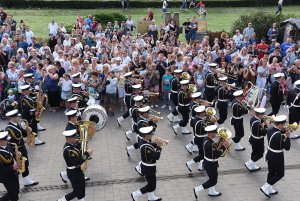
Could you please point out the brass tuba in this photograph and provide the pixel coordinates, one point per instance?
(192, 88)
(292, 127)
(223, 134)
(87, 130)
(156, 138)
(19, 158)
(30, 135)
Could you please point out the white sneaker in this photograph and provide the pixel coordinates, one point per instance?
(62, 199)
(128, 134)
(200, 166)
(212, 192)
(119, 120)
(129, 149)
(185, 131)
(294, 136)
(265, 189)
(39, 127)
(38, 141)
(175, 128)
(163, 106)
(272, 191)
(152, 197)
(136, 194)
(238, 147)
(151, 106)
(170, 117)
(64, 176)
(195, 148)
(138, 169)
(156, 106)
(176, 119)
(197, 190)
(27, 181)
(189, 164)
(189, 148)
(170, 108)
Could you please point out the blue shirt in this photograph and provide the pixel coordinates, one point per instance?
(284, 47)
(167, 80)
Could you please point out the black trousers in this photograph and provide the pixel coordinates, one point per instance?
(12, 186)
(275, 167)
(150, 176)
(24, 153)
(33, 125)
(257, 148)
(294, 117)
(275, 109)
(174, 99)
(210, 94)
(238, 125)
(199, 142)
(223, 108)
(211, 169)
(127, 102)
(184, 111)
(76, 177)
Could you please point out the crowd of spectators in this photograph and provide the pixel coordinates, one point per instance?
(103, 53)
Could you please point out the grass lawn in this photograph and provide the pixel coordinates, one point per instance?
(218, 18)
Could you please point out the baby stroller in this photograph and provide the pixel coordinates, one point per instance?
(7, 105)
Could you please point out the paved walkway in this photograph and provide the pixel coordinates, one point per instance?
(113, 176)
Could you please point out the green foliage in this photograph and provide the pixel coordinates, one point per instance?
(69, 28)
(261, 22)
(104, 18)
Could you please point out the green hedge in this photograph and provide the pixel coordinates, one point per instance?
(136, 4)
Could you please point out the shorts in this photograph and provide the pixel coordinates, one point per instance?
(110, 99)
(121, 92)
(154, 88)
(65, 95)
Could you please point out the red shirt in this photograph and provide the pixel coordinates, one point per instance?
(262, 48)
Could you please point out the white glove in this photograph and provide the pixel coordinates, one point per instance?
(23, 125)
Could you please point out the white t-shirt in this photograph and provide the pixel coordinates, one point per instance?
(28, 36)
(66, 85)
(53, 28)
(112, 86)
(67, 43)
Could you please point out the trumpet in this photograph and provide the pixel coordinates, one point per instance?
(206, 103)
(192, 88)
(157, 118)
(155, 112)
(232, 86)
(156, 138)
(224, 135)
(150, 93)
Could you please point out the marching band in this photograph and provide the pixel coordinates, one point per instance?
(210, 139)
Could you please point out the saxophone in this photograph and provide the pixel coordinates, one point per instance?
(41, 98)
(30, 135)
(19, 158)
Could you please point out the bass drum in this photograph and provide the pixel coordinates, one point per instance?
(97, 114)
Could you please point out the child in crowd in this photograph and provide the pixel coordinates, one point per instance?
(166, 86)
(94, 84)
(66, 88)
(164, 9)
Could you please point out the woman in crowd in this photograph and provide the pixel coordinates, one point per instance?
(53, 93)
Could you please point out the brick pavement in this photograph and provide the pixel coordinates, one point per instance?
(110, 163)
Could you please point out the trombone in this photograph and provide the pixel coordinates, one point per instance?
(150, 93)
(155, 112)
(223, 72)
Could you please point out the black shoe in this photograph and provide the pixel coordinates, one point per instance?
(33, 184)
(43, 129)
(186, 133)
(219, 194)
(174, 130)
(127, 137)
(42, 143)
(158, 199)
(190, 152)
(188, 167)
(243, 149)
(127, 153)
(87, 178)
(138, 172)
(62, 178)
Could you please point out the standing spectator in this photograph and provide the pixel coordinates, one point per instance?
(248, 30)
(286, 45)
(262, 48)
(238, 39)
(52, 27)
(273, 32)
(262, 75)
(192, 4)
(164, 9)
(150, 14)
(166, 82)
(186, 26)
(13, 25)
(129, 23)
(111, 92)
(3, 16)
(28, 35)
(153, 76)
(183, 5)
(123, 4)
(52, 42)
(279, 7)
(51, 81)
(121, 85)
(193, 30)
(3, 58)
(66, 88)
(127, 3)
